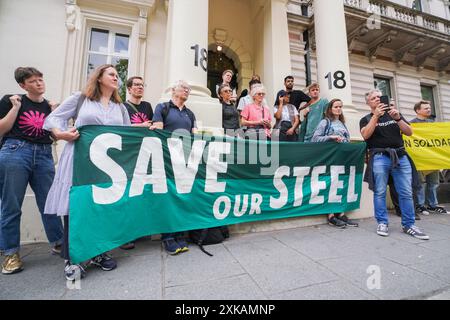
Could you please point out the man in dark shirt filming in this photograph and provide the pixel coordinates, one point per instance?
(382, 130)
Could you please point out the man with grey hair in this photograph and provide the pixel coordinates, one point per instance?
(382, 130)
(173, 116)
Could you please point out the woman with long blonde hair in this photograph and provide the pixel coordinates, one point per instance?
(98, 104)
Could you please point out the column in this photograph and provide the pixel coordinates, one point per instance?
(333, 64)
(277, 55)
(186, 58)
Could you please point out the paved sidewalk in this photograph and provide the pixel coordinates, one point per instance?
(318, 262)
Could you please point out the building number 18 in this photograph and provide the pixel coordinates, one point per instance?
(339, 80)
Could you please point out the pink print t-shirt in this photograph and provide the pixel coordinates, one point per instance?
(253, 112)
(30, 120)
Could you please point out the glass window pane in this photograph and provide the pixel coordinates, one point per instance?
(427, 94)
(122, 69)
(384, 85)
(94, 61)
(99, 40)
(121, 43)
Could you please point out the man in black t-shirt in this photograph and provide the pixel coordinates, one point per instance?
(141, 115)
(25, 157)
(140, 112)
(297, 97)
(382, 130)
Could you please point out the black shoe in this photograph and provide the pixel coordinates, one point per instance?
(333, 221)
(104, 261)
(438, 209)
(347, 221)
(422, 210)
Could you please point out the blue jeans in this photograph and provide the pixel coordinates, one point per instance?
(402, 176)
(431, 179)
(22, 162)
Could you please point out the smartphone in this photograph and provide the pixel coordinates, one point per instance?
(385, 101)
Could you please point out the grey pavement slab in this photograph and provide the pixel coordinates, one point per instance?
(383, 278)
(442, 246)
(318, 262)
(276, 267)
(314, 245)
(196, 266)
(441, 296)
(240, 287)
(333, 290)
(439, 268)
(137, 277)
(42, 278)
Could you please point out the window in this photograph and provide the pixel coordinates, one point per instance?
(106, 46)
(427, 94)
(417, 5)
(384, 85)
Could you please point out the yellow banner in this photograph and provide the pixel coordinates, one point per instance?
(429, 146)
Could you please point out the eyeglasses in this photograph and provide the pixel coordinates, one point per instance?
(260, 94)
(227, 91)
(139, 85)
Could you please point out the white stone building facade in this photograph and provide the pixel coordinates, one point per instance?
(401, 46)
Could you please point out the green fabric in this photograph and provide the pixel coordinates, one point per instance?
(107, 157)
(315, 114)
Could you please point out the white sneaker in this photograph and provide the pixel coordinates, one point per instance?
(383, 230)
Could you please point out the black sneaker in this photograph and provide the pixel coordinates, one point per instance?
(438, 209)
(422, 210)
(182, 244)
(104, 261)
(347, 221)
(415, 232)
(171, 247)
(333, 221)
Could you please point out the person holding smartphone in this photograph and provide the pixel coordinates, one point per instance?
(382, 129)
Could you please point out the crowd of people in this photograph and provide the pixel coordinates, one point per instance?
(29, 124)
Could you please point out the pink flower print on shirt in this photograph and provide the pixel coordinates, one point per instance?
(32, 122)
(139, 117)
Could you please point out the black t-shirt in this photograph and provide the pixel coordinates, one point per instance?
(30, 120)
(296, 98)
(230, 116)
(387, 133)
(139, 113)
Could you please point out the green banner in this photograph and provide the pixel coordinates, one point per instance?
(130, 182)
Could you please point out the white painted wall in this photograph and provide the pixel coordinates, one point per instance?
(32, 33)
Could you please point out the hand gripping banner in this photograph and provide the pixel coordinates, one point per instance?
(132, 182)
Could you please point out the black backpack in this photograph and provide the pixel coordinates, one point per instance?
(204, 237)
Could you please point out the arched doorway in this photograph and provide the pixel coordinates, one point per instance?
(218, 62)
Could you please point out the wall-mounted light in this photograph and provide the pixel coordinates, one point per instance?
(219, 48)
